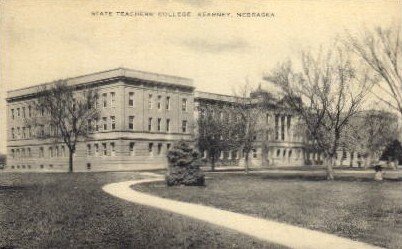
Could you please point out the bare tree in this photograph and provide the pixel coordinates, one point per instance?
(381, 50)
(250, 110)
(218, 130)
(326, 93)
(67, 113)
(370, 132)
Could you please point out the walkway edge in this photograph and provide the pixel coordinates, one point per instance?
(263, 229)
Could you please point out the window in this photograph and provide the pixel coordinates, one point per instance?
(23, 152)
(29, 131)
(132, 149)
(276, 127)
(184, 105)
(13, 133)
(104, 100)
(278, 152)
(89, 125)
(113, 99)
(150, 101)
(113, 121)
(18, 132)
(159, 124)
(23, 112)
(88, 166)
(96, 124)
(149, 124)
(184, 126)
(168, 103)
(290, 153)
(167, 125)
(42, 130)
(41, 152)
(150, 148)
(96, 146)
(50, 152)
(96, 101)
(168, 146)
(104, 147)
(131, 122)
(104, 123)
(57, 153)
(63, 151)
(112, 149)
(159, 148)
(159, 102)
(18, 112)
(283, 127)
(89, 150)
(12, 153)
(12, 114)
(131, 99)
(29, 111)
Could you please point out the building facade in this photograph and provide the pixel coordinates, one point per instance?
(275, 143)
(141, 115)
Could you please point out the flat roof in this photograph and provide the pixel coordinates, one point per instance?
(216, 97)
(111, 74)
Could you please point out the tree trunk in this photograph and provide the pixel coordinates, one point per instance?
(70, 161)
(246, 169)
(330, 170)
(213, 162)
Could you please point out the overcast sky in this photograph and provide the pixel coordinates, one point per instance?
(46, 40)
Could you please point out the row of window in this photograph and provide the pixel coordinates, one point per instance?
(131, 101)
(21, 132)
(21, 112)
(29, 166)
(108, 149)
(27, 132)
(28, 111)
(54, 151)
(159, 124)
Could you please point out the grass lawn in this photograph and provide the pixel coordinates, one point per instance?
(362, 210)
(71, 211)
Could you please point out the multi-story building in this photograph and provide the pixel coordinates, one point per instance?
(276, 142)
(141, 115)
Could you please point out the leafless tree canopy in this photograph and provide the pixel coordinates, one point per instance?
(326, 93)
(251, 111)
(381, 50)
(65, 114)
(370, 132)
(219, 130)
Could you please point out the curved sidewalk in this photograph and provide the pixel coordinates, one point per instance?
(266, 230)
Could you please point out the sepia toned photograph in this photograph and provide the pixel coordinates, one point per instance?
(201, 124)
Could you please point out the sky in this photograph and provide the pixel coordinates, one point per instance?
(42, 41)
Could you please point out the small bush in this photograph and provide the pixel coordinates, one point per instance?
(184, 166)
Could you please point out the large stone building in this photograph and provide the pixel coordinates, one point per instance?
(141, 116)
(275, 143)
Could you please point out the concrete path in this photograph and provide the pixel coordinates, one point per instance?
(265, 230)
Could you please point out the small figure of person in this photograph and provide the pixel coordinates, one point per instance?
(378, 173)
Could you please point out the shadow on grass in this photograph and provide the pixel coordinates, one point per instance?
(13, 188)
(323, 178)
